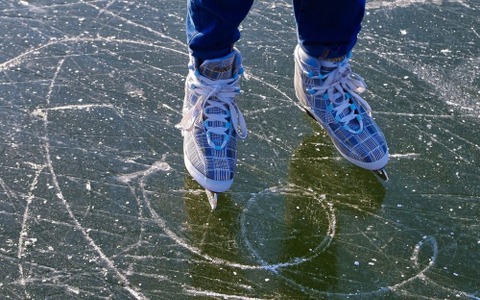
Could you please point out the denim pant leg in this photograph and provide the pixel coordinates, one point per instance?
(328, 28)
(212, 26)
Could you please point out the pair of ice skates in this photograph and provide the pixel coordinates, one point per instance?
(328, 90)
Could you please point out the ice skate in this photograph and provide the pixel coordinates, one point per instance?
(329, 92)
(212, 122)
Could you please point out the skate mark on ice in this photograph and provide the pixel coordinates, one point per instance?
(59, 194)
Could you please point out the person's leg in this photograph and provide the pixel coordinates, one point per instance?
(212, 26)
(326, 28)
(212, 122)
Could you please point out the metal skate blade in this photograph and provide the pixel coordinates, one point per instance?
(310, 114)
(212, 198)
(382, 174)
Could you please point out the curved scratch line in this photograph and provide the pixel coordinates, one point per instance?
(296, 261)
(134, 24)
(80, 106)
(419, 275)
(264, 266)
(24, 229)
(197, 292)
(163, 225)
(10, 194)
(453, 290)
(18, 59)
(59, 193)
(21, 57)
(399, 3)
(414, 258)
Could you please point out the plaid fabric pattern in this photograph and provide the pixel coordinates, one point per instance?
(217, 165)
(365, 147)
(212, 168)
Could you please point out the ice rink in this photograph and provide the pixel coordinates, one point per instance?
(95, 201)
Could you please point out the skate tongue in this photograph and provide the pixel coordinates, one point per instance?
(219, 68)
(328, 65)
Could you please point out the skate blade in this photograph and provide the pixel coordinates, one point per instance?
(382, 174)
(212, 199)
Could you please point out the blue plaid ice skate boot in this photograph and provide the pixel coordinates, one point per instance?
(329, 92)
(212, 122)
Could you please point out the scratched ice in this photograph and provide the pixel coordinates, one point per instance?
(95, 202)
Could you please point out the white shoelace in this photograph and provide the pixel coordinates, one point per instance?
(217, 94)
(337, 86)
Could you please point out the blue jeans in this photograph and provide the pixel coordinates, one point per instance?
(326, 28)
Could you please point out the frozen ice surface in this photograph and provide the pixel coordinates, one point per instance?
(95, 202)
